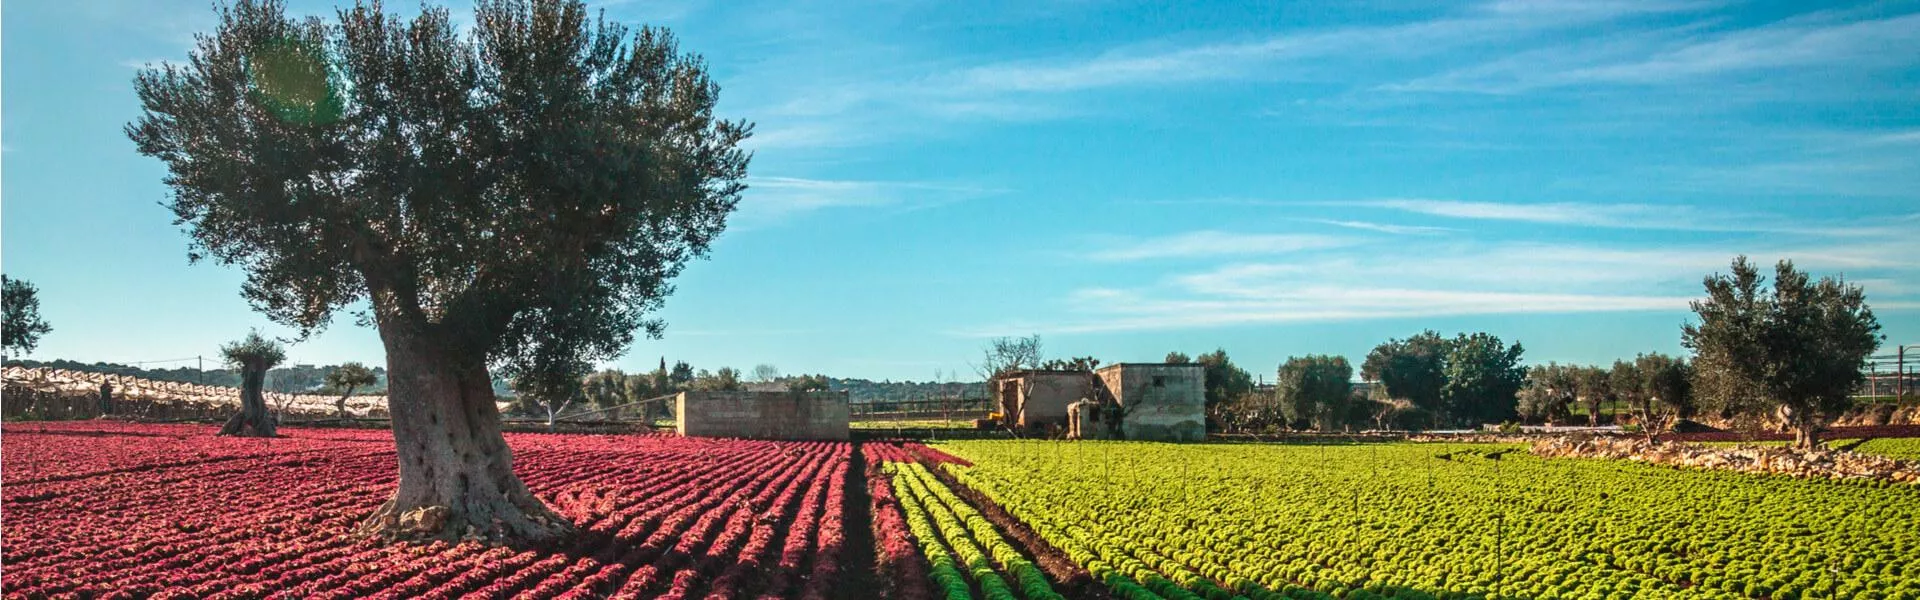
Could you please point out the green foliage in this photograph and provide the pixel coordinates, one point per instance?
(681, 375)
(1549, 391)
(1798, 347)
(1178, 358)
(351, 376)
(1413, 369)
(1666, 385)
(220, 377)
(550, 386)
(1224, 380)
(20, 325)
(1483, 379)
(1596, 388)
(809, 383)
(1078, 363)
(519, 195)
(727, 379)
(1316, 390)
(1394, 520)
(254, 352)
(606, 388)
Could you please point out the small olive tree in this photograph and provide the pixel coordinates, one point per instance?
(346, 378)
(253, 356)
(1796, 349)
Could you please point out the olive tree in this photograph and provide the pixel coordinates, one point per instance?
(1668, 382)
(1482, 379)
(517, 196)
(1596, 388)
(1413, 369)
(346, 378)
(1796, 349)
(22, 326)
(1315, 389)
(253, 356)
(1549, 390)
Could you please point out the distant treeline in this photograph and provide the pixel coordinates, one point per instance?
(289, 379)
(309, 378)
(866, 390)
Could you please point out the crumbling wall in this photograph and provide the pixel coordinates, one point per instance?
(1083, 421)
(764, 415)
(1158, 402)
(1044, 397)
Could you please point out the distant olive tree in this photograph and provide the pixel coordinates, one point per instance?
(1315, 390)
(552, 385)
(1222, 382)
(1796, 349)
(345, 379)
(1596, 389)
(1668, 384)
(252, 355)
(1482, 379)
(22, 325)
(515, 195)
(1549, 392)
(1413, 369)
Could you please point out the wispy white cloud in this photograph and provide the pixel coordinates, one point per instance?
(1323, 304)
(771, 198)
(1678, 217)
(1161, 65)
(1690, 54)
(835, 109)
(1384, 227)
(1456, 275)
(1199, 244)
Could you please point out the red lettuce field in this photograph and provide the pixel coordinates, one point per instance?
(128, 511)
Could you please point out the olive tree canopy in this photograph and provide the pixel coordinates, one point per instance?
(1797, 349)
(512, 197)
(20, 304)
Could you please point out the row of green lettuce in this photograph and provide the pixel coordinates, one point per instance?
(1446, 521)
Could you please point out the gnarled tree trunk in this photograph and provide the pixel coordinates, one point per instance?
(456, 472)
(1805, 425)
(253, 420)
(340, 405)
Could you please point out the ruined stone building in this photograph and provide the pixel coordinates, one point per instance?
(1036, 398)
(1134, 401)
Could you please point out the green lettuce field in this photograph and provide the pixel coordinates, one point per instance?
(1444, 521)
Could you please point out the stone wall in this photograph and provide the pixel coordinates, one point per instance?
(764, 415)
(1159, 402)
(1044, 397)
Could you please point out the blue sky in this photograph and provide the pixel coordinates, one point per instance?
(1126, 179)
